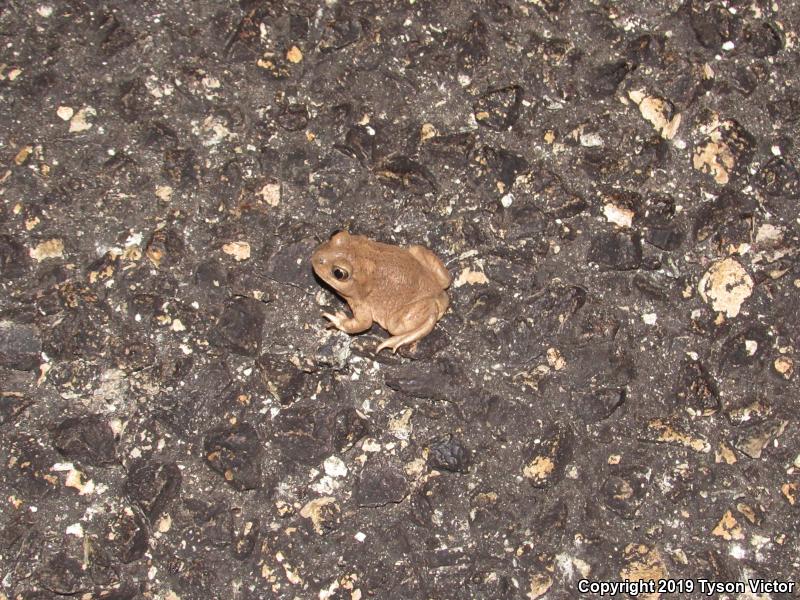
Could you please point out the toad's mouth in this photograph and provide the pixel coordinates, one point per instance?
(318, 263)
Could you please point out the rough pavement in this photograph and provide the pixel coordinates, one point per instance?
(612, 395)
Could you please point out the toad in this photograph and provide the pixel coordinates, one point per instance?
(401, 289)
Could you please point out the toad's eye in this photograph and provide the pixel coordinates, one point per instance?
(340, 274)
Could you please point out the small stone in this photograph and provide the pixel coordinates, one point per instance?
(274, 65)
(238, 250)
(791, 491)
(127, 535)
(665, 238)
(164, 524)
(211, 83)
(449, 454)
(153, 486)
(284, 380)
(643, 564)
(696, 390)
(62, 575)
(555, 359)
(769, 236)
(499, 168)
(22, 156)
(658, 112)
(48, 249)
(727, 149)
(660, 431)
(294, 55)
(619, 215)
(322, 512)
(340, 32)
(499, 108)
(334, 467)
(755, 439)
(616, 251)
(398, 171)
(350, 426)
(165, 244)
(75, 479)
(726, 285)
(292, 117)
(779, 179)
(240, 326)
(600, 404)
(289, 264)
(88, 439)
(304, 433)
(785, 366)
(12, 405)
(746, 347)
(625, 490)
(235, 453)
(79, 121)
(754, 514)
(164, 192)
(604, 79)
(468, 276)
(755, 412)
(725, 454)
(540, 585)
(65, 113)
(728, 528)
(244, 538)
(765, 39)
(548, 456)
(427, 132)
(471, 45)
(271, 193)
(400, 426)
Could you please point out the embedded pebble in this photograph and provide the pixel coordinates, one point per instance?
(725, 286)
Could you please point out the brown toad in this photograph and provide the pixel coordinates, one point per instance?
(402, 289)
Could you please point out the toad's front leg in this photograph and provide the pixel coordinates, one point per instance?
(360, 321)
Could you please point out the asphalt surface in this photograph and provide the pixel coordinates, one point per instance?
(611, 396)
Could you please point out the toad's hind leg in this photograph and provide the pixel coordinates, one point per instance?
(432, 262)
(396, 341)
(442, 302)
(411, 324)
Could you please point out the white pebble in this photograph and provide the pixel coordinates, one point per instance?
(649, 318)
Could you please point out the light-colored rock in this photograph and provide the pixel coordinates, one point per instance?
(238, 250)
(726, 285)
(48, 249)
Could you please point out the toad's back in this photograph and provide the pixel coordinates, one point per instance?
(397, 278)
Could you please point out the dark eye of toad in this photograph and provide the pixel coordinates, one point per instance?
(340, 274)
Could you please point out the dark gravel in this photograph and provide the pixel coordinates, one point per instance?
(612, 394)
